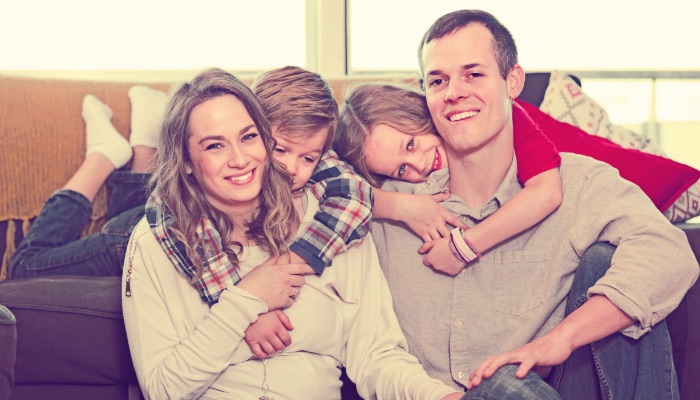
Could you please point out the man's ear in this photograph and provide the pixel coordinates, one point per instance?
(515, 81)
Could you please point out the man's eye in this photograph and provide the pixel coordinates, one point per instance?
(409, 145)
(435, 82)
(402, 170)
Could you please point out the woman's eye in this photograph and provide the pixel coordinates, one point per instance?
(214, 146)
(249, 136)
(409, 145)
(402, 170)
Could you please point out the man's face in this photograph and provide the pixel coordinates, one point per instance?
(468, 99)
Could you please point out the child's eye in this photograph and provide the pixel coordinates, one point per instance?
(409, 145)
(249, 136)
(309, 159)
(402, 170)
(279, 150)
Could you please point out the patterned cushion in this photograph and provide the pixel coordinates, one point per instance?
(565, 101)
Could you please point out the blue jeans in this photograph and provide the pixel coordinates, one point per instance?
(53, 245)
(616, 367)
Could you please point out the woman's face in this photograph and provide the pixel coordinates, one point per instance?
(228, 154)
(398, 155)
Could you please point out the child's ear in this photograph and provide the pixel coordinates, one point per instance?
(515, 81)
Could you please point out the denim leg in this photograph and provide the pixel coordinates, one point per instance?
(53, 245)
(616, 367)
(505, 385)
(126, 190)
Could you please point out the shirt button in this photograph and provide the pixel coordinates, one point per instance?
(458, 323)
(460, 375)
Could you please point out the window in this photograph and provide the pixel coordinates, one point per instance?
(151, 34)
(594, 36)
(550, 34)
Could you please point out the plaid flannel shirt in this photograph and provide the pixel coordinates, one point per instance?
(345, 200)
(343, 219)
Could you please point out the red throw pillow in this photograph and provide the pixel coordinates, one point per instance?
(662, 179)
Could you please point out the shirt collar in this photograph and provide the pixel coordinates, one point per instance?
(507, 189)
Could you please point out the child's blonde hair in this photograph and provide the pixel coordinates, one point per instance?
(297, 102)
(370, 104)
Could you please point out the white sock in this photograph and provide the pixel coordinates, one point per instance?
(147, 110)
(101, 136)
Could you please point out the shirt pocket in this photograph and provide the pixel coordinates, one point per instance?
(519, 280)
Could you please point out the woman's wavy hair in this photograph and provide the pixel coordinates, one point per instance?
(276, 219)
(367, 105)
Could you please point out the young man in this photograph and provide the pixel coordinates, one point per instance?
(510, 307)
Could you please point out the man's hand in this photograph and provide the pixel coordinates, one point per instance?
(546, 351)
(440, 256)
(269, 334)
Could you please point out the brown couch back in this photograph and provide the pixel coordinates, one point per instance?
(44, 142)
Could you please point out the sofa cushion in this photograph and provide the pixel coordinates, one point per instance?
(70, 330)
(567, 102)
(662, 179)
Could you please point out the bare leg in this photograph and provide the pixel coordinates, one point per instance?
(91, 175)
(144, 158)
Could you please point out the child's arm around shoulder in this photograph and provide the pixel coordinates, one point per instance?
(541, 195)
(344, 216)
(421, 213)
(538, 162)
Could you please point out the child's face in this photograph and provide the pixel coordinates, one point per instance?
(300, 153)
(398, 155)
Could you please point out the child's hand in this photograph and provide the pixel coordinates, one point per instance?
(277, 285)
(269, 334)
(426, 218)
(440, 256)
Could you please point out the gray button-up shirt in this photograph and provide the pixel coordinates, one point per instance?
(517, 290)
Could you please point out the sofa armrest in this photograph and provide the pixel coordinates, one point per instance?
(8, 343)
(684, 328)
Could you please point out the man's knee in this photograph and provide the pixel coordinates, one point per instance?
(598, 253)
(505, 385)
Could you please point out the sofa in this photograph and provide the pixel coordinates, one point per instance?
(67, 332)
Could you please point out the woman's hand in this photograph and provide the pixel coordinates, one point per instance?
(276, 285)
(453, 396)
(269, 334)
(424, 216)
(440, 257)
